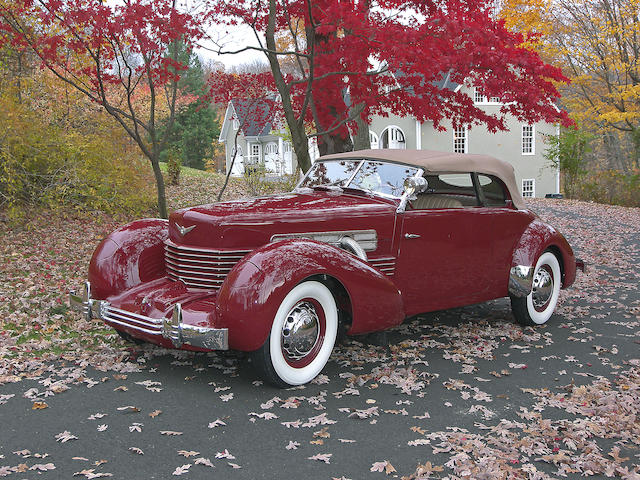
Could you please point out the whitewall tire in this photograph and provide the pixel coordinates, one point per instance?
(301, 338)
(537, 307)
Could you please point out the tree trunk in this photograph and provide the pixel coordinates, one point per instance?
(162, 198)
(298, 135)
(334, 143)
(635, 160)
(361, 140)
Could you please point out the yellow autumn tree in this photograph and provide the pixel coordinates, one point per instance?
(532, 18)
(598, 43)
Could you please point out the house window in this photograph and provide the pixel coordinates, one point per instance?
(393, 137)
(271, 149)
(286, 146)
(374, 140)
(528, 140)
(460, 142)
(254, 153)
(477, 96)
(236, 123)
(236, 151)
(528, 187)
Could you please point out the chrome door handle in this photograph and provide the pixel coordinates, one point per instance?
(411, 235)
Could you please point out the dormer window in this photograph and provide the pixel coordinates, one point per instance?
(479, 97)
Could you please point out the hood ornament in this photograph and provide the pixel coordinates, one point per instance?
(184, 230)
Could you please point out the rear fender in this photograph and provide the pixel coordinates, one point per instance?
(255, 287)
(537, 238)
(130, 255)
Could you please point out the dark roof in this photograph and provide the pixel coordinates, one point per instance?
(444, 81)
(254, 116)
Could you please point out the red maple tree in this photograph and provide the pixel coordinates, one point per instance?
(356, 59)
(121, 54)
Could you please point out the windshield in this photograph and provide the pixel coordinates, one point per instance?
(330, 173)
(379, 177)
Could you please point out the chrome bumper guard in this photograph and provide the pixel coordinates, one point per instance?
(170, 328)
(520, 280)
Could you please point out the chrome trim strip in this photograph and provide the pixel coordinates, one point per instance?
(368, 239)
(138, 329)
(204, 274)
(204, 250)
(201, 279)
(354, 173)
(135, 316)
(520, 280)
(213, 283)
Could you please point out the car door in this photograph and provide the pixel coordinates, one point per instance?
(444, 247)
(508, 223)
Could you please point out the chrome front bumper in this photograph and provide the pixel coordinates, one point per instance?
(170, 328)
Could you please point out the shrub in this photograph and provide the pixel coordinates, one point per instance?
(43, 164)
(610, 186)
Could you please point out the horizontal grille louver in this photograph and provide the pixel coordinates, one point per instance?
(200, 267)
(384, 265)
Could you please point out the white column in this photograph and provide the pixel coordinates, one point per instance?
(281, 166)
(418, 135)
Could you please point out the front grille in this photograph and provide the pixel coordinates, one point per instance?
(200, 267)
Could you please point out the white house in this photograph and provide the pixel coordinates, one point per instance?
(522, 145)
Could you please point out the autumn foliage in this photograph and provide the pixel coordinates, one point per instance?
(356, 60)
(121, 55)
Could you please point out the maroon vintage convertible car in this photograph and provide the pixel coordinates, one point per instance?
(367, 239)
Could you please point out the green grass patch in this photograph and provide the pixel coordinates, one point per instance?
(187, 171)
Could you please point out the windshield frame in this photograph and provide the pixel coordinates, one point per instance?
(347, 184)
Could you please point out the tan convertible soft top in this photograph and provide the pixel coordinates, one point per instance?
(439, 162)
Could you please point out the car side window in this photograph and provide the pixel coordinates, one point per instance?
(493, 190)
(447, 190)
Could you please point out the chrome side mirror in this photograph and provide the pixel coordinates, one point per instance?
(412, 187)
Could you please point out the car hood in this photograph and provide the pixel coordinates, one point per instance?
(247, 224)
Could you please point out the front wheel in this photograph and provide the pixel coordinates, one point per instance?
(537, 307)
(301, 338)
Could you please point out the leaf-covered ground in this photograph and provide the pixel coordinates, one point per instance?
(463, 393)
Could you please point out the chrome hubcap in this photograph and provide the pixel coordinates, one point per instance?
(542, 288)
(300, 331)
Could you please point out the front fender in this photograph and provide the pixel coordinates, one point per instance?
(537, 238)
(130, 255)
(255, 287)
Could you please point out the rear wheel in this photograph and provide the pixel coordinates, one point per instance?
(302, 336)
(537, 307)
